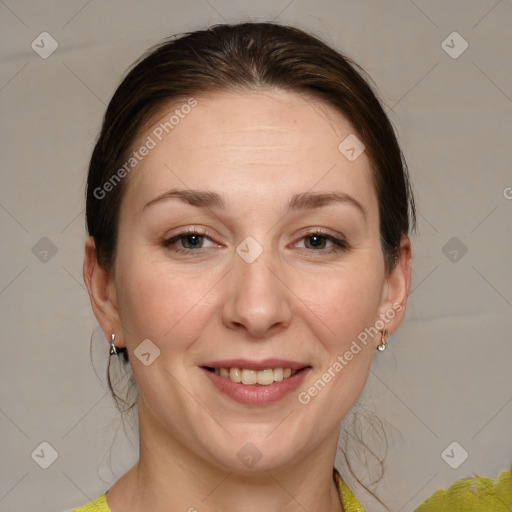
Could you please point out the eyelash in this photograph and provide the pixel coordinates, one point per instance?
(339, 244)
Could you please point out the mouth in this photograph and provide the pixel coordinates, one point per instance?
(249, 377)
(256, 383)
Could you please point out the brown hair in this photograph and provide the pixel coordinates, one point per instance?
(246, 56)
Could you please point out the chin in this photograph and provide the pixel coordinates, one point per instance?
(252, 452)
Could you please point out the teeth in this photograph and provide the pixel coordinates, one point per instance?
(265, 377)
(262, 377)
(249, 376)
(235, 375)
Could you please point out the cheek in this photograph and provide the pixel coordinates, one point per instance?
(158, 304)
(344, 312)
(342, 303)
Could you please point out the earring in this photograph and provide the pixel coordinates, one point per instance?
(383, 344)
(113, 348)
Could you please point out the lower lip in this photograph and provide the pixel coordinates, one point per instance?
(256, 394)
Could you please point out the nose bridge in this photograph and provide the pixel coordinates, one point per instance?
(258, 299)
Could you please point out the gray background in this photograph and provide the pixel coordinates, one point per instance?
(446, 376)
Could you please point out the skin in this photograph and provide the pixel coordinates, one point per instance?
(296, 301)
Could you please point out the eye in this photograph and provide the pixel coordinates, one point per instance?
(193, 240)
(188, 241)
(319, 241)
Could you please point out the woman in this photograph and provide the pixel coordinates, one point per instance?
(248, 210)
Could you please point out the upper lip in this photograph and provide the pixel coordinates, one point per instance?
(265, 364)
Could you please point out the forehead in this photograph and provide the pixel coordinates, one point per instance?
(247, 143)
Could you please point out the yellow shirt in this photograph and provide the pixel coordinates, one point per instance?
(478, 494)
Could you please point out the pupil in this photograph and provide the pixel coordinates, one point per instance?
(318, 240)
(192, 239)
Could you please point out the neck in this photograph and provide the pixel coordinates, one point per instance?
(170, 477)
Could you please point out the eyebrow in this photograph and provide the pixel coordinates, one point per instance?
(302, 201)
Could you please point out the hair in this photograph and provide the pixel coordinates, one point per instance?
(237, 58)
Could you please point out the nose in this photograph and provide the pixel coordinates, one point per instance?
(258, 302)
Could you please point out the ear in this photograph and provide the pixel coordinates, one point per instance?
(102, 294)
(396, 290)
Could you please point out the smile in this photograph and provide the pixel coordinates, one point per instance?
(248, 377)
(256, 383)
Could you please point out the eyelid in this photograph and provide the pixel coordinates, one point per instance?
(323, 232)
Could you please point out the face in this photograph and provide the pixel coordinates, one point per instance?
(255, 271)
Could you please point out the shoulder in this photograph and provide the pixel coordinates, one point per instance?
(98, 505)
(473, 493)
(348, 499)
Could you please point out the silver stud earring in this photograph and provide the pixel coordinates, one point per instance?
(383, 343)
(113, 348)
